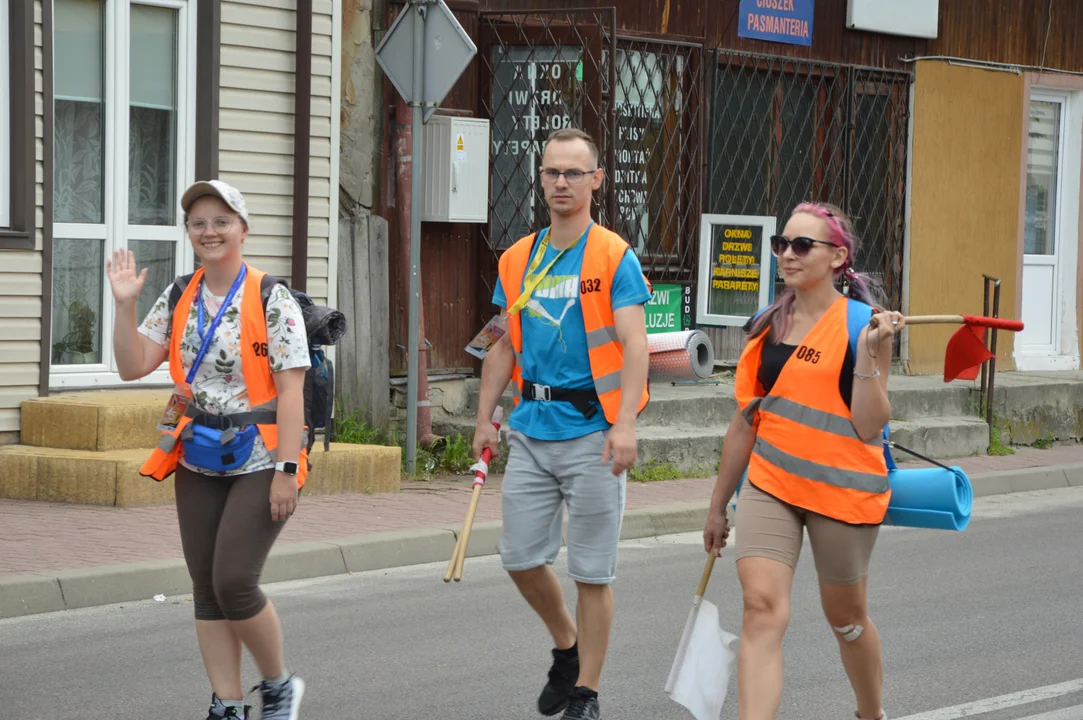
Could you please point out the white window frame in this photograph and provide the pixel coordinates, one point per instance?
(5, 115)
(1062, 353)
(116, 231)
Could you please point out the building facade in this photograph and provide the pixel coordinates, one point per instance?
(110, 109)
(956, 155)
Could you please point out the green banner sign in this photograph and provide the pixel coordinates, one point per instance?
(664, 309)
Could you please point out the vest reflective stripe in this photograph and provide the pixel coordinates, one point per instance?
(259, 382)
(864, 482)
(601, 336)
(602, 255)
(807, 452)
(813, 418)
(607, 383)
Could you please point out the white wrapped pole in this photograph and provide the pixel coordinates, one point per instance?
(699, 677)
(684, 355)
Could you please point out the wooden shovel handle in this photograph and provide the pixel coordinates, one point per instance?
(706, 575)
(976, 320)
(468, 525)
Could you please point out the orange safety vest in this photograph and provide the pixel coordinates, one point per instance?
(262, 394)
(807, 452)
(602, 256)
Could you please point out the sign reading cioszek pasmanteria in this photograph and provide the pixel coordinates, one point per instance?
(734, 268)
(782, 21)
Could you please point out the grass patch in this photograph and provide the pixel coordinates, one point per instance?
(996, 443)
(655, 471)
(999, 429)
(453, 455)
(1045, 441)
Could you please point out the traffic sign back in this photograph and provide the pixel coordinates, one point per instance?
(448, 51)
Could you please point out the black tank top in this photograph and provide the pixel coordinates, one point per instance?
(775, 356)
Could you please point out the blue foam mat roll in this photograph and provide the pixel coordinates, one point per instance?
(931, 498)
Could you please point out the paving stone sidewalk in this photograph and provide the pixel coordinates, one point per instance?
(37, 536)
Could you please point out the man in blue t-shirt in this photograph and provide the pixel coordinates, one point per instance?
(565, 451)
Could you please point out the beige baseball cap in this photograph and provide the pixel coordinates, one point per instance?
(230, 196)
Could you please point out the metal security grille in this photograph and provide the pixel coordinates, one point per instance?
(786, 131)
(659, 145)
(547, 70)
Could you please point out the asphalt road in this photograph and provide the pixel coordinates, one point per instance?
(983, 624)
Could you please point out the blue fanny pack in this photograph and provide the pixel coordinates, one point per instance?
(218, 450)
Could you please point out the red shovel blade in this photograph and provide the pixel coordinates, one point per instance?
(965, 353)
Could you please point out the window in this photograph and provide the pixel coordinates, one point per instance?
(122, 151)
(1043, 150)
(5, 120)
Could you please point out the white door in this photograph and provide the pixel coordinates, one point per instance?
(1049, 340)
(123, 153)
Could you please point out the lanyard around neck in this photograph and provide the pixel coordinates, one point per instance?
(201, 318)
(531, 280)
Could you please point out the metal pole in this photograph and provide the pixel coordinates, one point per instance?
(985, 338)
(416, 104)
(992, 361)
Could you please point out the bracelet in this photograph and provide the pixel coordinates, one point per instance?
(875, 374)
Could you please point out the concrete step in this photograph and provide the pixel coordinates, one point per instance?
(669, 404)
(112, 477)
(94, 420)
(919, 401)
(693, 449)
(941, 437)
(911, 399)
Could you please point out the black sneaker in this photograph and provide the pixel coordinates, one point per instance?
(218, 710)
(583, 705)
(563, 675)
(281, 701)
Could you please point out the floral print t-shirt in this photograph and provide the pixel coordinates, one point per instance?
(219, 386)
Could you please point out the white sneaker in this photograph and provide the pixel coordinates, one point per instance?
(282, 701)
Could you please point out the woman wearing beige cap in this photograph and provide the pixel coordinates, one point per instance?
(233, 432)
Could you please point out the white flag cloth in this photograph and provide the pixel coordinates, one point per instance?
(700, 674)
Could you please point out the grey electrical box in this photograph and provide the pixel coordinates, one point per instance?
(455, 170)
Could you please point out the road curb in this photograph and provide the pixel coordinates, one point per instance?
(50, 591)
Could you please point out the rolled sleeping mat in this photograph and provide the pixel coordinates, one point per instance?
(931, 498)
(684, 355)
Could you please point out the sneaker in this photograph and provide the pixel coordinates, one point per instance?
(218, 710)
(583, 705)
(281, 701)
(563, 675)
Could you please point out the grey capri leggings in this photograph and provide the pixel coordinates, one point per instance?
(226, 532)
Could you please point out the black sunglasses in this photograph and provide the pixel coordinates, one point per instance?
(800, 245)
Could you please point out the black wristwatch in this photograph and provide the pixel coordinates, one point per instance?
(289, 468)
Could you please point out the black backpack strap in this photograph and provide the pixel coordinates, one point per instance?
(266, 285)
(179, 285)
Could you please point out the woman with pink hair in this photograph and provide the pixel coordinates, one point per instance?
(808, 429)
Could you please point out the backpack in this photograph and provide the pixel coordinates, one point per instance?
(322, 324)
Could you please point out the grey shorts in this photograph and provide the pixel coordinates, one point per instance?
(540, 477)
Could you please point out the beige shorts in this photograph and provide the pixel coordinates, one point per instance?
(767, 527)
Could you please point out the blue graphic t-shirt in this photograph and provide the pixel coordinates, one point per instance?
(555, 343)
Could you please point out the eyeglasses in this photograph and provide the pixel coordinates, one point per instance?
(198, 226)
(574, 177)
(800, 245)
